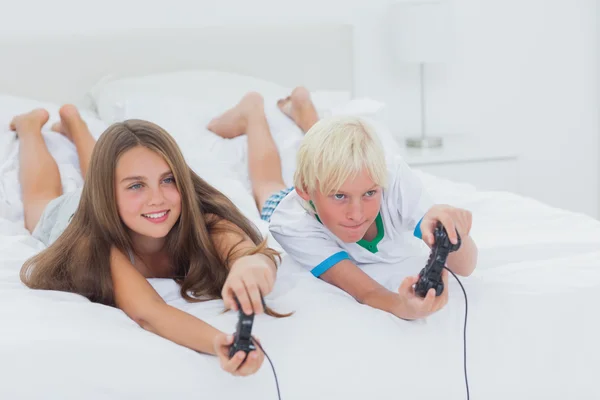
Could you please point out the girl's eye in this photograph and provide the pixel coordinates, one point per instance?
(339, 196)
(136, 186)
(169, 180)
(371, 193)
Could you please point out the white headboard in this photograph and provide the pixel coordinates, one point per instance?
(62, 68)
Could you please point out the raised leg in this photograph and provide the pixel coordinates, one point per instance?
(264, 163)
(75, 129)
(298, 106)
(38, 172)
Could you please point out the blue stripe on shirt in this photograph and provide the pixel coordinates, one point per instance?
(417, 231)
(329, 262)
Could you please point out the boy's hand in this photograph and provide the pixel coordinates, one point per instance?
(454, 219)
(249, 277)
(411, 306)
(236, 365)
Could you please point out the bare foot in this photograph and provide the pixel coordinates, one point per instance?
(299, 107)
(59, 128)
(233, 122)
(29, 122)
(70, 121)
(228, 125)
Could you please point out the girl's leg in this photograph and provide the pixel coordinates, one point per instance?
(264, 163)
(38, 172)
(76, 130)
(298, 106)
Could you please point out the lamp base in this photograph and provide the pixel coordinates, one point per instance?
(424, 142)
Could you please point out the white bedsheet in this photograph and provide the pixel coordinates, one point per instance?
(532, 332)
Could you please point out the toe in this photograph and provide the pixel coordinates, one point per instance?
(57, 127)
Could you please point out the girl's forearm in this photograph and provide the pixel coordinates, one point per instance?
(269, 262)
(260, 259)
(181, 328)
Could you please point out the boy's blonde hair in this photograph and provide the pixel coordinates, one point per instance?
(335, 149)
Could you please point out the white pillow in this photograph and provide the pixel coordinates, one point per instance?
(221, 89)
(361, 107)
(186, 121)
(230, 186)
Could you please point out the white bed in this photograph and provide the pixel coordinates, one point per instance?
(533, 321)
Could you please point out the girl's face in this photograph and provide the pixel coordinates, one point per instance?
(148, 201)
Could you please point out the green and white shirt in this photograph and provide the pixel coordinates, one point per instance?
(403, 205)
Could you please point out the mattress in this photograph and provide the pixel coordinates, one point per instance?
(532, 330)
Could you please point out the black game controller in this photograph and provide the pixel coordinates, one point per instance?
(431, 276)
(242, 339)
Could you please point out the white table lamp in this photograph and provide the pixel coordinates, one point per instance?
(419, 33)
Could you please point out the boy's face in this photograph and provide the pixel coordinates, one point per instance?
(350, 211)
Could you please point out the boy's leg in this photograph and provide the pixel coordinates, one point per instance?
(264, 163)
(76, 130)
(298, 106)
(38, 172)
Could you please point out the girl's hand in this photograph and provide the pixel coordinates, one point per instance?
(250, 278)
(240, 364)
(412, 306)
(453, 219)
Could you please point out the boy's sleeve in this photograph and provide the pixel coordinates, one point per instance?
(305, 241)
(316, 254)
(408, 196)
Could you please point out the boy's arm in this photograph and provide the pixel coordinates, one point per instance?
(404, 304)
(416, 207)
(463, 261)
(359, 285)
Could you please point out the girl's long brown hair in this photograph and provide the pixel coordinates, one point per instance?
(79, 260)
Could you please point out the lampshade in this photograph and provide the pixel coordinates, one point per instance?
(420, 31)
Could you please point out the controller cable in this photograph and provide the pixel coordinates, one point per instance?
(272, 367)
(464, 343)
(464, 330)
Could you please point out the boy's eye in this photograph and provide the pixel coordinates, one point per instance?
(339, 196)
(371, 193)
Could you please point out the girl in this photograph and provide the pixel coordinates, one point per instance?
(142, 213)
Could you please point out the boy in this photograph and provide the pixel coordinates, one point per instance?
(350, 206)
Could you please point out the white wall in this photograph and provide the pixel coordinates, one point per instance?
(523, 69)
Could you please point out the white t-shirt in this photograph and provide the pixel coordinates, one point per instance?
(403, 205)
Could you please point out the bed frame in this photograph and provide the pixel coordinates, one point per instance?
(63, 68)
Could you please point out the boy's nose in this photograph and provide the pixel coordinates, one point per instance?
(355, 213)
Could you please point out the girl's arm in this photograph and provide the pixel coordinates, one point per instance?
(138, 299)
(251, 273)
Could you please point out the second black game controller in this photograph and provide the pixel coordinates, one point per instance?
(242, 338)
(430, 276)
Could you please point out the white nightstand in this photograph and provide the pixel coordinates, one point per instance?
(486, 163)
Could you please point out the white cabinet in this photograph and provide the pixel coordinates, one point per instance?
(486, 164)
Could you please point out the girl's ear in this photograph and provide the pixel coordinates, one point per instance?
(305, 196)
